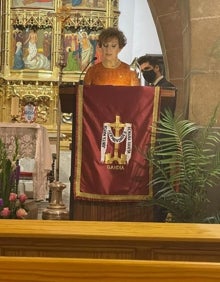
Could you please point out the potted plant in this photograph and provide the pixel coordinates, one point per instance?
(186, 163)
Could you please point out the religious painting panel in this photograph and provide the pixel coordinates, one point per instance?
(80, 48)
(41, 4)
(31, 48)
(82, 4)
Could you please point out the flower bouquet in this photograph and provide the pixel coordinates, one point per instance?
(15, 207)
(12, 205)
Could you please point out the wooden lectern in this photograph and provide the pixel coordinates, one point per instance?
(67, 95)
(81, 209)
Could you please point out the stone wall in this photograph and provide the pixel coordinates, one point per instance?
(190, 40)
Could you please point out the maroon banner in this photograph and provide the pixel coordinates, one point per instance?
(113, 129)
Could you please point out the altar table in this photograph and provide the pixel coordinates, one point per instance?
(33, 143)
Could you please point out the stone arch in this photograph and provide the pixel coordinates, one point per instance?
(167, 16)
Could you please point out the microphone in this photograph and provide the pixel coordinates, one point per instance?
(91, 61)
(134, 64)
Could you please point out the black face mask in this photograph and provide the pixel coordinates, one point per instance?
(149, 76)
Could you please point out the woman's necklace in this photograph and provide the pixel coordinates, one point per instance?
(111, 65)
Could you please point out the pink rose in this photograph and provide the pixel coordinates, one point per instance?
(5, 212)
(12, 197)
(21, 213)
(22, 198)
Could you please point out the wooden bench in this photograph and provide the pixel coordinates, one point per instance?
(110, 240)
(27, 269)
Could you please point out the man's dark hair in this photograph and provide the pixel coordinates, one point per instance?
(152, 60)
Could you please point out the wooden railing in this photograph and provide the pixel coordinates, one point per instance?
(28, 269)
(110, 240)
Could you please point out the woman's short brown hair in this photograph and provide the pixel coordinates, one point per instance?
(112, 32)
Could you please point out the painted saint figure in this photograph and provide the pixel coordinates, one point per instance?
(34, 59)
(32, 45)
(18, 57)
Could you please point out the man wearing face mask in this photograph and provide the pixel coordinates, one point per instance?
(152, 72)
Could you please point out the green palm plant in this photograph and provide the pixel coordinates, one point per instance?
(186, 163)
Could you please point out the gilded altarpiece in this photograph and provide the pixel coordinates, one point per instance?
(46, 44)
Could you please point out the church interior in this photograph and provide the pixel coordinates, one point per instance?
(45, 49)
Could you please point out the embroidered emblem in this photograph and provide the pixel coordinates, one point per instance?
(29, 113)
(117, 133)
